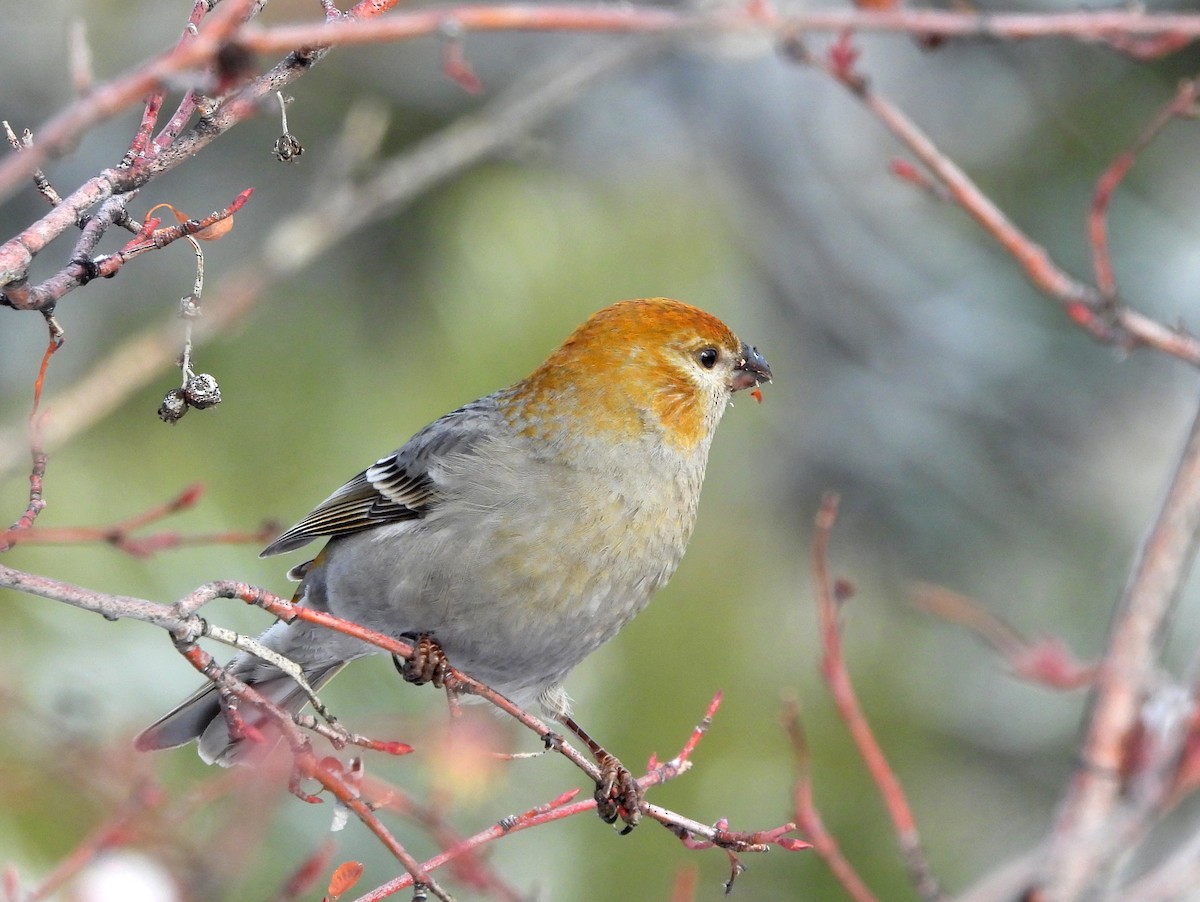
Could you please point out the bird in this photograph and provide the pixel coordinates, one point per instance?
(516, 534)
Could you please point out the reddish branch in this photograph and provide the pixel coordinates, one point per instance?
(301, 881)
(833, 668)
(120, 535)
(37, 472)
(114, 832)
(1047, 661)
(471, 869)
(83, 268)
(186, 627)
(1121, 28)
(1101, 316)
(1182, 104)
(809, 819)
(221, 39)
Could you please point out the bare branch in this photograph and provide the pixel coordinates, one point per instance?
(1101, 317)
(1127, 674)
(330, 215)
(837, 677)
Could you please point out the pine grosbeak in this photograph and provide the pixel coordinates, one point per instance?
(519, 532)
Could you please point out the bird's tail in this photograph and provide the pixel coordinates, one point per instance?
(202, 717)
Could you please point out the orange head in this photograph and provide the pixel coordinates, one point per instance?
(651, 368)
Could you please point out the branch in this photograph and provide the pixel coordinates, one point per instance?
(1122, 29)
(1046, 661)
(1100, 316)
(184, 624)
(329, 216)
(809, 819)
(112, 833)
(225, 29)
(1128, 672)
(108, 100)
(833, 669)
(120, 535)
(1182, 104)
(37, 451)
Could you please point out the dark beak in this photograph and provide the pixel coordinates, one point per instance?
(752, 370)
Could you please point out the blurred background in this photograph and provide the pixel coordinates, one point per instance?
(977, 439)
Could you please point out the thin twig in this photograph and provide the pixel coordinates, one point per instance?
(1046, 661)
(37, 451)
(1181, 104)
(837, 677)
(809, 819)
(112, 833)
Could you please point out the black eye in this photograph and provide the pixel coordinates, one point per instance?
(707, 358)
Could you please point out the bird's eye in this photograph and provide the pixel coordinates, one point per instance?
(707, 358)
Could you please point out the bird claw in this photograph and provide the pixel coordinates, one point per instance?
(427, 664)
(618, 794)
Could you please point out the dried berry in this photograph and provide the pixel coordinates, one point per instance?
(174, 406)
(202, 391)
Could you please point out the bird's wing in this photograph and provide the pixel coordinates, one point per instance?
(398, 487)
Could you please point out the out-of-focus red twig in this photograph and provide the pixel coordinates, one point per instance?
(457, 68)
(809, 819)
(469, 868)
(556, 809)
(112, 833)
(120, 535)
(683, 887)
(1047, 661)
(833, 668)
(37, 472)
(305, 875)
(906, 171)
(1181, 104)
(1123, 26)
(334, 780)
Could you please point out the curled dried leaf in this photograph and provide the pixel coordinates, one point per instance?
(217, 230)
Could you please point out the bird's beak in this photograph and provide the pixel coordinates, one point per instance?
(752, 370)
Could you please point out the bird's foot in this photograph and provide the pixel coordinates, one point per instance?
(618, 794)
(428, 663)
